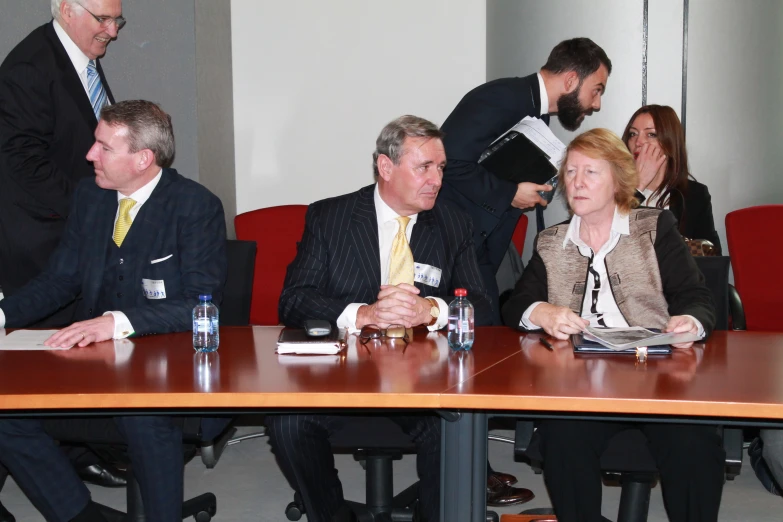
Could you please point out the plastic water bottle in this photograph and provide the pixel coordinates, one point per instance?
(461, 324)
(206, 322)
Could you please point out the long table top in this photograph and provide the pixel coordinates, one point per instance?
(735, 374)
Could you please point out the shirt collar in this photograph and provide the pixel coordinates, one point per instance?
(543, 94)
(78, 58)
(144, 193)
(384, 212)
(620, 225)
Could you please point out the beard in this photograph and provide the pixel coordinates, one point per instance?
(570, 112)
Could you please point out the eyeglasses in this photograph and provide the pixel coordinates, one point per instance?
(106, 21)
(373, 331)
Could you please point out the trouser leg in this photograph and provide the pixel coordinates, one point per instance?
(301, 445)
(41, 469)
(424, 430)
(572, 466)
(156, 455)
(773, 453)
(691, 462)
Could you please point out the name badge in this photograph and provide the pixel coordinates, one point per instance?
(426, 274)
(153, 288)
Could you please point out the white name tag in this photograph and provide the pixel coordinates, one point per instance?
(426, 274)
(153, 288)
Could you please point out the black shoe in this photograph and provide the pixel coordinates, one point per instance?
(761, 468)
(104, 475)
(5, 515)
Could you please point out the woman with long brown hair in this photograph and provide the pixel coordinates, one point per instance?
(655, 137)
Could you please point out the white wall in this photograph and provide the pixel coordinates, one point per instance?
(314, 83)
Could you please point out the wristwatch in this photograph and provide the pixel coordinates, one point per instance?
(434, 311)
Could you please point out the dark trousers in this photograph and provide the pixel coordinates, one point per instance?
(690, 461)
(45, 474)
(301, 444)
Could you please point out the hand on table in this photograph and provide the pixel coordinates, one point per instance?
(682, 324)
(396, 305)
(558, 321)
(84, 332)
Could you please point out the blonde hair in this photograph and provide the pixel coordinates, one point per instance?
(604, 144)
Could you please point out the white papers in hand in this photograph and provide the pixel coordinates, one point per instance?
(28, 340)
(635, 336)
(541, 136)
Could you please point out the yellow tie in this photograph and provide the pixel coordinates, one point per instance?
(124, 221)
(401, 259)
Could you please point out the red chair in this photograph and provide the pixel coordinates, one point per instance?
(276, 231)
(518, 238)
(755, 251)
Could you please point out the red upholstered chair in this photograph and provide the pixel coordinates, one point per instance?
(276, 231)
(519, 234)
(756, 251)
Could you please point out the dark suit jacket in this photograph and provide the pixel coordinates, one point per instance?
(480, 118)
(338, 260)
(181, 218)
(693, 211)
(46, 129)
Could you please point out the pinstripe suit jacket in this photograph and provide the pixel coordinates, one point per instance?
(181, 218)
(338, 259)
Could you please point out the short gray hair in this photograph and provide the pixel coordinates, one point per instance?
(392, 137)
(56, 7)
(149, 127)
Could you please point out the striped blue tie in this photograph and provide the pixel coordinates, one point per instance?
(95, 89)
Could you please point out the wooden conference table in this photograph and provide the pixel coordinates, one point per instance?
(736, 376)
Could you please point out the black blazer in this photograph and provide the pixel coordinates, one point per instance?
(181, 219)
(480, 118)
(46, 129)
(338, 260)
(693, 211)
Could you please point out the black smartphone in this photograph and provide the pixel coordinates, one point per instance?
(317, 327)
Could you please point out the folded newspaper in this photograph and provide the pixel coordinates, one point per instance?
(634, 337)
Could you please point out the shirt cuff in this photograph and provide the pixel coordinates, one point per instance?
(2, 318)
(700, 333)
(443, 317)
(122, 325)
(347, 319)
(525, 322)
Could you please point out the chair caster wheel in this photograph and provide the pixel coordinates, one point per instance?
(292, 511)
(492, 517)
(202, 516)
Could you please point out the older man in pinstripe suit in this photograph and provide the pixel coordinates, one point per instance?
(348, 271)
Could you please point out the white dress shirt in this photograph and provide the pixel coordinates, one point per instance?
(122, 325)
(543, 94)
(607, 313)
(78, 58)
(387, 229)
(649, 201)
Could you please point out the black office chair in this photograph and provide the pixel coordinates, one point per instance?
(235, 308)
(376, 442)
(627, 460)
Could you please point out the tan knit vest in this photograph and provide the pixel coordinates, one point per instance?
(632, 268)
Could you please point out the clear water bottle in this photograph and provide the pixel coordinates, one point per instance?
(206, 336)
(461, 324)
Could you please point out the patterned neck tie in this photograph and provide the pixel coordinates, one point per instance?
(95, 89)
(401, 259)
(124, 221)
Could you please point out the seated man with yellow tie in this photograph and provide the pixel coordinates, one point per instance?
(140, 245)
(386, 254)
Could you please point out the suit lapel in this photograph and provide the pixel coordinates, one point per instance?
(70, 79)
(535, 95)
(105, 212)
(426, 245)
(104, 82)
(364, 235)
(146, 225)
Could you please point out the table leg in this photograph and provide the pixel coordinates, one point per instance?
(464, 468)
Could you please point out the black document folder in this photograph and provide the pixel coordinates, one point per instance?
(515, 158)
(582, 345)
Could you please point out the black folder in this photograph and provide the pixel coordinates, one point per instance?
(582, 345)
(515, 158)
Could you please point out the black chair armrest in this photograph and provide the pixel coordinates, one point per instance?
(732, 444)
(737, 311)
(523, 434)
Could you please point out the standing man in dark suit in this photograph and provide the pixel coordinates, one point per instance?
(47, 120)
(141, 243)
(52, 88)
(570, 85)
(387, 254)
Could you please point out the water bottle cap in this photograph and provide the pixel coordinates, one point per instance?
(205, 297)
(460, 292)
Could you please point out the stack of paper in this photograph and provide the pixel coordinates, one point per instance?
(296, 341)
